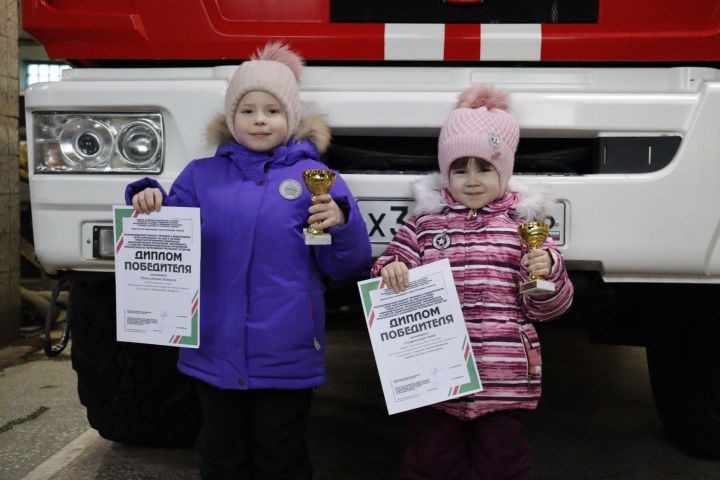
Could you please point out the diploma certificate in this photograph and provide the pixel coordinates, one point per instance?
(419, 339)
(157, 276)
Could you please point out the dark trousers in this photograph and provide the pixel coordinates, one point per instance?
(442, 447)
(254, 434)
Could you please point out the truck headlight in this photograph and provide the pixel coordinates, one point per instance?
(138, 143)
(86, 143)
(97, 142)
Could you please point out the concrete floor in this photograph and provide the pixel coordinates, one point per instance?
(596, 420)
(39, 410)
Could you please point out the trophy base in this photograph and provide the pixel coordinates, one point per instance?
(536, 286)
(322, 239)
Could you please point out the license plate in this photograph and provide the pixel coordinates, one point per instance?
(557, 219)
(384, 216)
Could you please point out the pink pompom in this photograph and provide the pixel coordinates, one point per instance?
(278, 52)
(484, 96)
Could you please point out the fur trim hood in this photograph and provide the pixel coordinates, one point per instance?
(533, 200)
(311, 127)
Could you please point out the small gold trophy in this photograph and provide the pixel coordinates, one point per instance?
(533, 234)
(318, 182)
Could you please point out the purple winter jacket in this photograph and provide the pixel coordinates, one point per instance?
(262, 313)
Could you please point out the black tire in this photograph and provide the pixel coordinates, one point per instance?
(133, 393)
(684, 361)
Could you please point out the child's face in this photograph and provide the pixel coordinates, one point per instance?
(475, 184)
(260, 122)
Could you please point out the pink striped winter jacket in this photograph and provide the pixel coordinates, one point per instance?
(484, 253)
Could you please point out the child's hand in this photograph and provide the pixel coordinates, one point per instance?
(537, 262)
(149, 200)
(325, 213)
(396, 276)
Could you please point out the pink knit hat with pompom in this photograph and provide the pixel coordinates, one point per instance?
(274, 69)
(480, 127)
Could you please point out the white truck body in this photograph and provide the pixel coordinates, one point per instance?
(661, 226)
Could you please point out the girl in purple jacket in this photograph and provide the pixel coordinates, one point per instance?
(262, 325)
(469, 214)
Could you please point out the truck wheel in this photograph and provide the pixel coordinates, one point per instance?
(133, 393)
(684, 363)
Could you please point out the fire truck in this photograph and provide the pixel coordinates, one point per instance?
(618, 104)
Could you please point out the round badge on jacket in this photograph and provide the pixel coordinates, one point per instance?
(290, 189)
(441, 241)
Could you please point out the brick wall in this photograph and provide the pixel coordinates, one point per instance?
(9, 180)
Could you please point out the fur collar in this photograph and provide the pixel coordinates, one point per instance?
(533, 200)
(311, 127)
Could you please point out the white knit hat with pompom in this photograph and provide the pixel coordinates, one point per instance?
(480, 127)
(274, 69)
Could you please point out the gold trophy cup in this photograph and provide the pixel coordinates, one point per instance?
(533, 235)
(318, 182)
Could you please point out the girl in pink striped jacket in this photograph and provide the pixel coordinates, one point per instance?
(469, 214)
